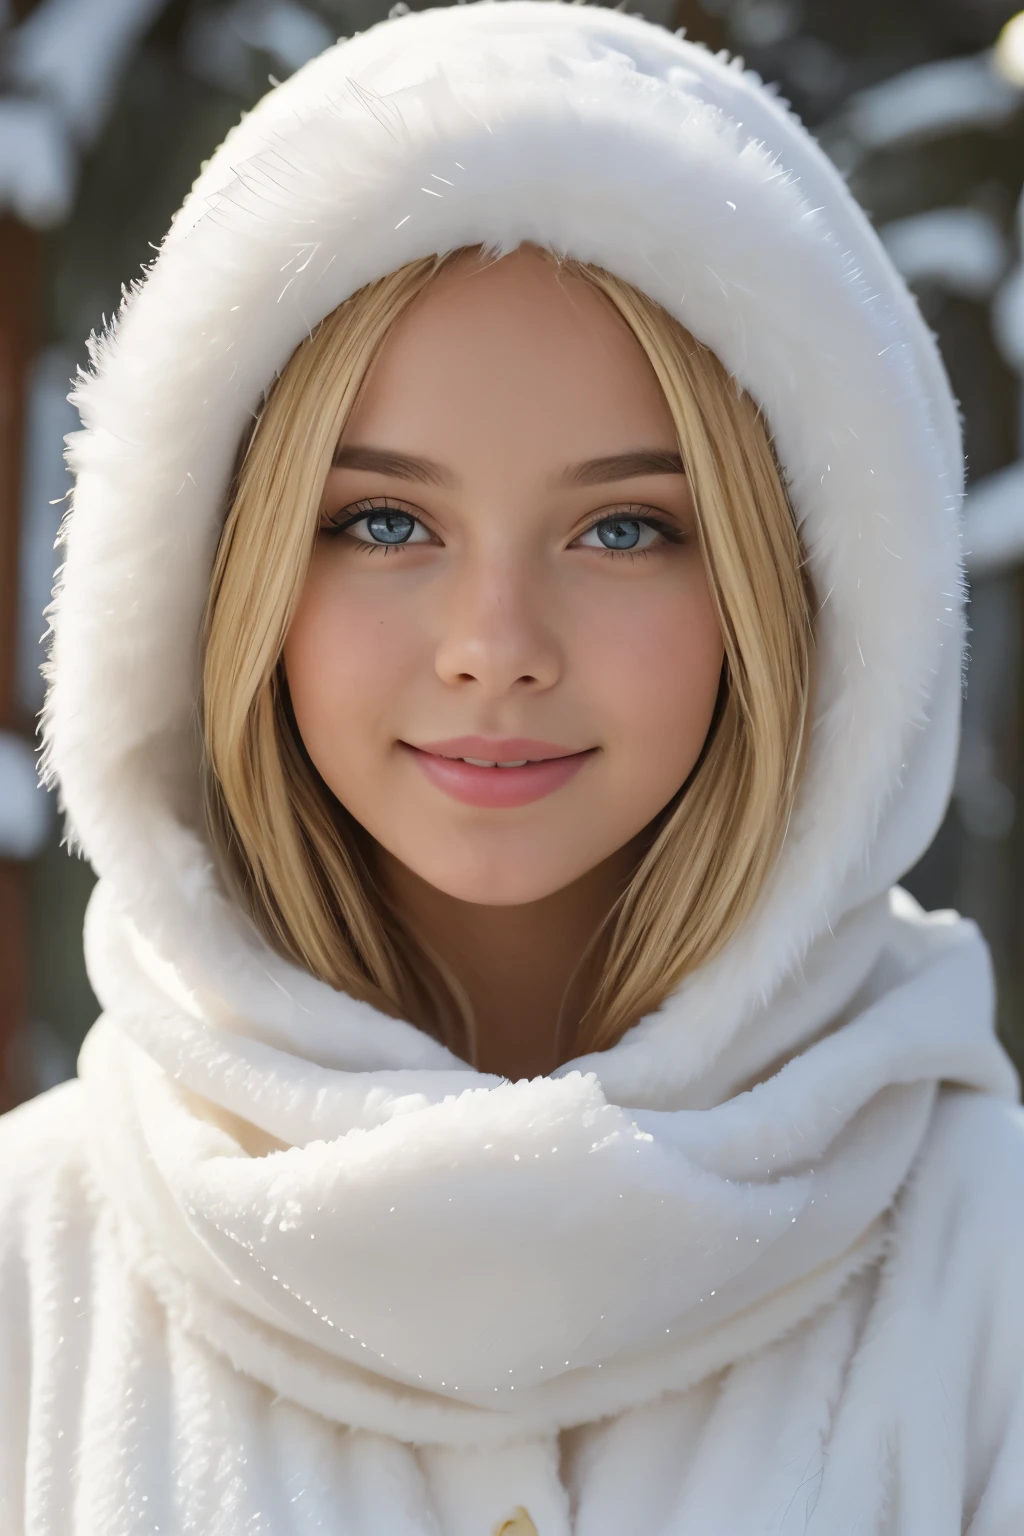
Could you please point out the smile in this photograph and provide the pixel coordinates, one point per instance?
(497, 774)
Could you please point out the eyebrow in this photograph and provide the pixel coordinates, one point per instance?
(382, 461)
(614, 466)
(624, 466)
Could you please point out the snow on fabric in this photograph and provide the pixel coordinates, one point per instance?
(345, 1282)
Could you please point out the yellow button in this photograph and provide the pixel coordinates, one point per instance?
(517, 1524)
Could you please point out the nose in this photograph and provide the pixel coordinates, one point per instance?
(497, 629)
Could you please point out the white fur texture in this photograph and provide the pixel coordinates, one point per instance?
(280, 1264)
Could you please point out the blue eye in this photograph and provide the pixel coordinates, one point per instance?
(619, 535)
(389, 527)
(626, 534)
(385, 527)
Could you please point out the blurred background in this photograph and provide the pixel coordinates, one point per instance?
(108, 108)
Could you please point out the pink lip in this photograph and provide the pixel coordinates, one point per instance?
(550, 767)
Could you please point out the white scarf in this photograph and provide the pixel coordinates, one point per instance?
(411, 1247)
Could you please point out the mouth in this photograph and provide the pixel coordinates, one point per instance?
(497, 773)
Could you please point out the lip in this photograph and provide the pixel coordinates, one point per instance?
(496, 749)
(550, 767)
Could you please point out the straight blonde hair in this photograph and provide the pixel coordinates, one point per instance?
(304, 868)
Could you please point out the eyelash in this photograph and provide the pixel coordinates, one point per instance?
(632, 512)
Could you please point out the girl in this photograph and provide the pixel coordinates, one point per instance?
(509, 645)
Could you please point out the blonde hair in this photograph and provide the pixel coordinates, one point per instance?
(302, 865)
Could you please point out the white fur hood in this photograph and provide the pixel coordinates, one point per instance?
(612, 140)
(328, 1197)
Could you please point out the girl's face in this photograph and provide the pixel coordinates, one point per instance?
(505, 657)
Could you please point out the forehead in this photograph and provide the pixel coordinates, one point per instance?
(511, 350)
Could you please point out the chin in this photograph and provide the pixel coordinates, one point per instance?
(487, 896)
(512, 881)
(500, 893)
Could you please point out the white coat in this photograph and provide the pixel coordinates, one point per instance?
(276, 1264)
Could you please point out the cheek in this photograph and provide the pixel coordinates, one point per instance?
(348, 658)
(655, 661)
